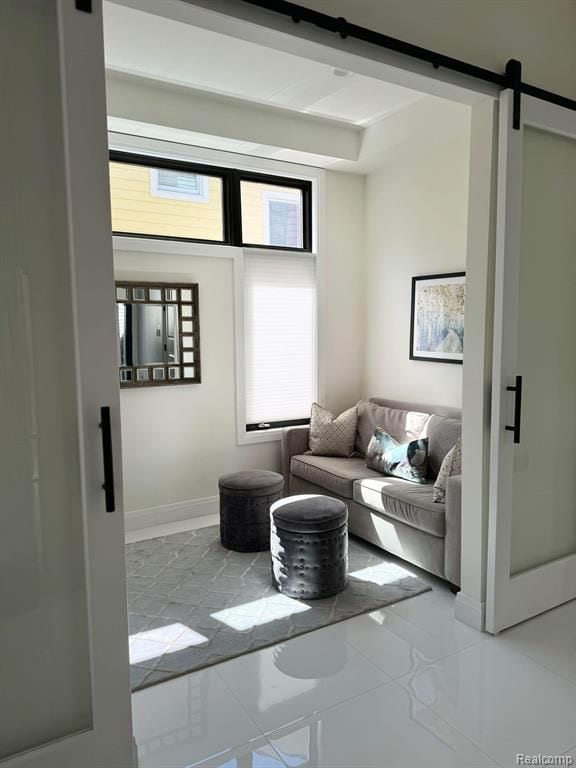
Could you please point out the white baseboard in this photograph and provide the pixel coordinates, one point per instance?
(470, 611)
(170, 513)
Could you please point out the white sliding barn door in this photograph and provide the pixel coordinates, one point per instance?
(64, 679)
(532, 528)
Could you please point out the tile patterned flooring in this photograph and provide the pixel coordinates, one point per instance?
(405, 686)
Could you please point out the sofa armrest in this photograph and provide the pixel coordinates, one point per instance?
(453, 540)
(294, 443)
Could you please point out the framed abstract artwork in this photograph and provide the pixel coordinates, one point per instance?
(437, 318)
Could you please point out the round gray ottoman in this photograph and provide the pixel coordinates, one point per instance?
(245, 499)
(309, 546)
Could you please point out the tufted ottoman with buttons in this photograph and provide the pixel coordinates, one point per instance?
(245, 499)
(309, 546)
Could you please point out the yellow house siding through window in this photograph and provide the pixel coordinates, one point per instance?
(136, 210)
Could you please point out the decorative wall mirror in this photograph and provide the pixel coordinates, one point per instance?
(158, 333)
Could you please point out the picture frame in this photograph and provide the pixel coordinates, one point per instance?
(437, 318)
(158, 327)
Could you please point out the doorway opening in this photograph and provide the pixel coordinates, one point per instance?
(388, 167)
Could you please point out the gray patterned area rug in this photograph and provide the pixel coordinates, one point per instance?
(192, 603)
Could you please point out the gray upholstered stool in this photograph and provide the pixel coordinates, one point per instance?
(245, 499)
(309, 546)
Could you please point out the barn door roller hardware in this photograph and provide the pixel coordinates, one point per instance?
(84, 5)
(512, 78)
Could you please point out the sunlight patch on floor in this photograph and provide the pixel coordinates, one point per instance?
(259, 612)
(152, 643)
(382, 573)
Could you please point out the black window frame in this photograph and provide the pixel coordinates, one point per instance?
(231, 199)
(268, 425)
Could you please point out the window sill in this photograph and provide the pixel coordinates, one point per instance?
(266, 436)
(183, 247)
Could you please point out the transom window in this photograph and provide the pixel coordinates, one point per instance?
(176, 200)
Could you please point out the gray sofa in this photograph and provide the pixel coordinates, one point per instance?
(394, 514)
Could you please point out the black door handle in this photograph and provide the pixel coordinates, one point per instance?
(517, 389)
(107, 458)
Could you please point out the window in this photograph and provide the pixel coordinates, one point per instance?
(178, 200)
(279, 339)
(175, 185)
(272, 215)
(283, 223)
(166, 203)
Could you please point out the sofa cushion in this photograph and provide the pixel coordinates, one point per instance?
(442, 434)
(332, 435)
(403, 426)
(404, 501)
(452, 465)
(335, 474)
(406, 460)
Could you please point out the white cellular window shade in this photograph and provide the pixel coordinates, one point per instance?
(280, 337)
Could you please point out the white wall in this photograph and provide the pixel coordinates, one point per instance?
(486, 34)
(540, 34)
(178, 440)
(416, 224)
(342, 309)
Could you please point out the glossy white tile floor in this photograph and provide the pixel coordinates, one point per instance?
(404, 687)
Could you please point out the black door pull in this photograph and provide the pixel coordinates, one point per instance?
(107, 458)
(517, 389)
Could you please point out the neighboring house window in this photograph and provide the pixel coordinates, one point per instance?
(273, 214)
(280, 361)
(176, 185)
(283, 219)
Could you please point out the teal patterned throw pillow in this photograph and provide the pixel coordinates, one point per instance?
(408, 461)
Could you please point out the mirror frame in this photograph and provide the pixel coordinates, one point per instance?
(188, 341)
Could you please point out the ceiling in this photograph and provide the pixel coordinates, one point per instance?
(139, 43)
